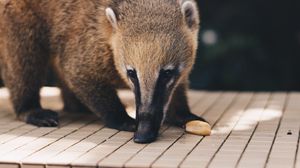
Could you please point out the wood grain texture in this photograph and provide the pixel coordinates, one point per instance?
(249, 130)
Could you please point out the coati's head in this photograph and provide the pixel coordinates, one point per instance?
(154, 44)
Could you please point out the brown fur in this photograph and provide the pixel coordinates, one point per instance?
(88, 55)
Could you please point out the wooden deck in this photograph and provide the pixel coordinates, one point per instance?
(249, 130)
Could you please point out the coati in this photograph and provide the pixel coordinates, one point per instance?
(93, 45)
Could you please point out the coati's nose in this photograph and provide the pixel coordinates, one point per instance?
(146, 133)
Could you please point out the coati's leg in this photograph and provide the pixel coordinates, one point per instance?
(24, 82)
(179, 112)
(71, 102)
(24, 63)
(102, 99)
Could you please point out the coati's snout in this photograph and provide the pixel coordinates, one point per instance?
(152, 94)
(148, 127)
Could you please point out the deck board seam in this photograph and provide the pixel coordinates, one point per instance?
(13, 130)
(124, 164)
(246, 146)
(297, 150)
(112, 152)
(224, 141)
(223, 113)
(211, 105)
(244, 109)
(71, 165)
(93, 133)
(151, 164)
(33, 140)
(23, 133)
(277, 129)
(54, 142)
(251, 136)
(208, 109)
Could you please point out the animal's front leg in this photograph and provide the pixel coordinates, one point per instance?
(102, 99)
(180, 114)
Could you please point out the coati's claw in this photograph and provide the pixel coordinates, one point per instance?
(42, 118)
(198, 127)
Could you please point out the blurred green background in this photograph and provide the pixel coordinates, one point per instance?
(248, 45)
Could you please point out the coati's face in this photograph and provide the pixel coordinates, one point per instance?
(154, 44)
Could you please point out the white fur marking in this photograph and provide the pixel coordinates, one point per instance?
(128, 67)
(181, 67)
(170, 83)
(165, 111)
(169, 67)
(111, 16)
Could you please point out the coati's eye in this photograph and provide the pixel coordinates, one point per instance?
(167, 74)
(131, 74)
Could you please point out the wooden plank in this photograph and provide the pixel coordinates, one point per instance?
(203, 106)
(8, 120)
(178, 152)
(248, 131)
(92, 157)
(18, 129)
(206, 150)
(283, 153)
(13, 150)
(230, 152)
(148, 155)
(257, 149)
(64, 138)
(297, 159)
(8, 165)
(27, 137)
(32, 166)
(18, 154)
(294, 107)
(195, 97)
(10, 125)
(66, 157)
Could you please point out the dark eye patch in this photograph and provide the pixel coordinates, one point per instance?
(131, 73)
(168, 74)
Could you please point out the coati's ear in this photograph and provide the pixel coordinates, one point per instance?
(111, 16)
(190, 13)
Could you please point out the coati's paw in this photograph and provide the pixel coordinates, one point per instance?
(42, 118)
(126, 125)
(198, 127)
